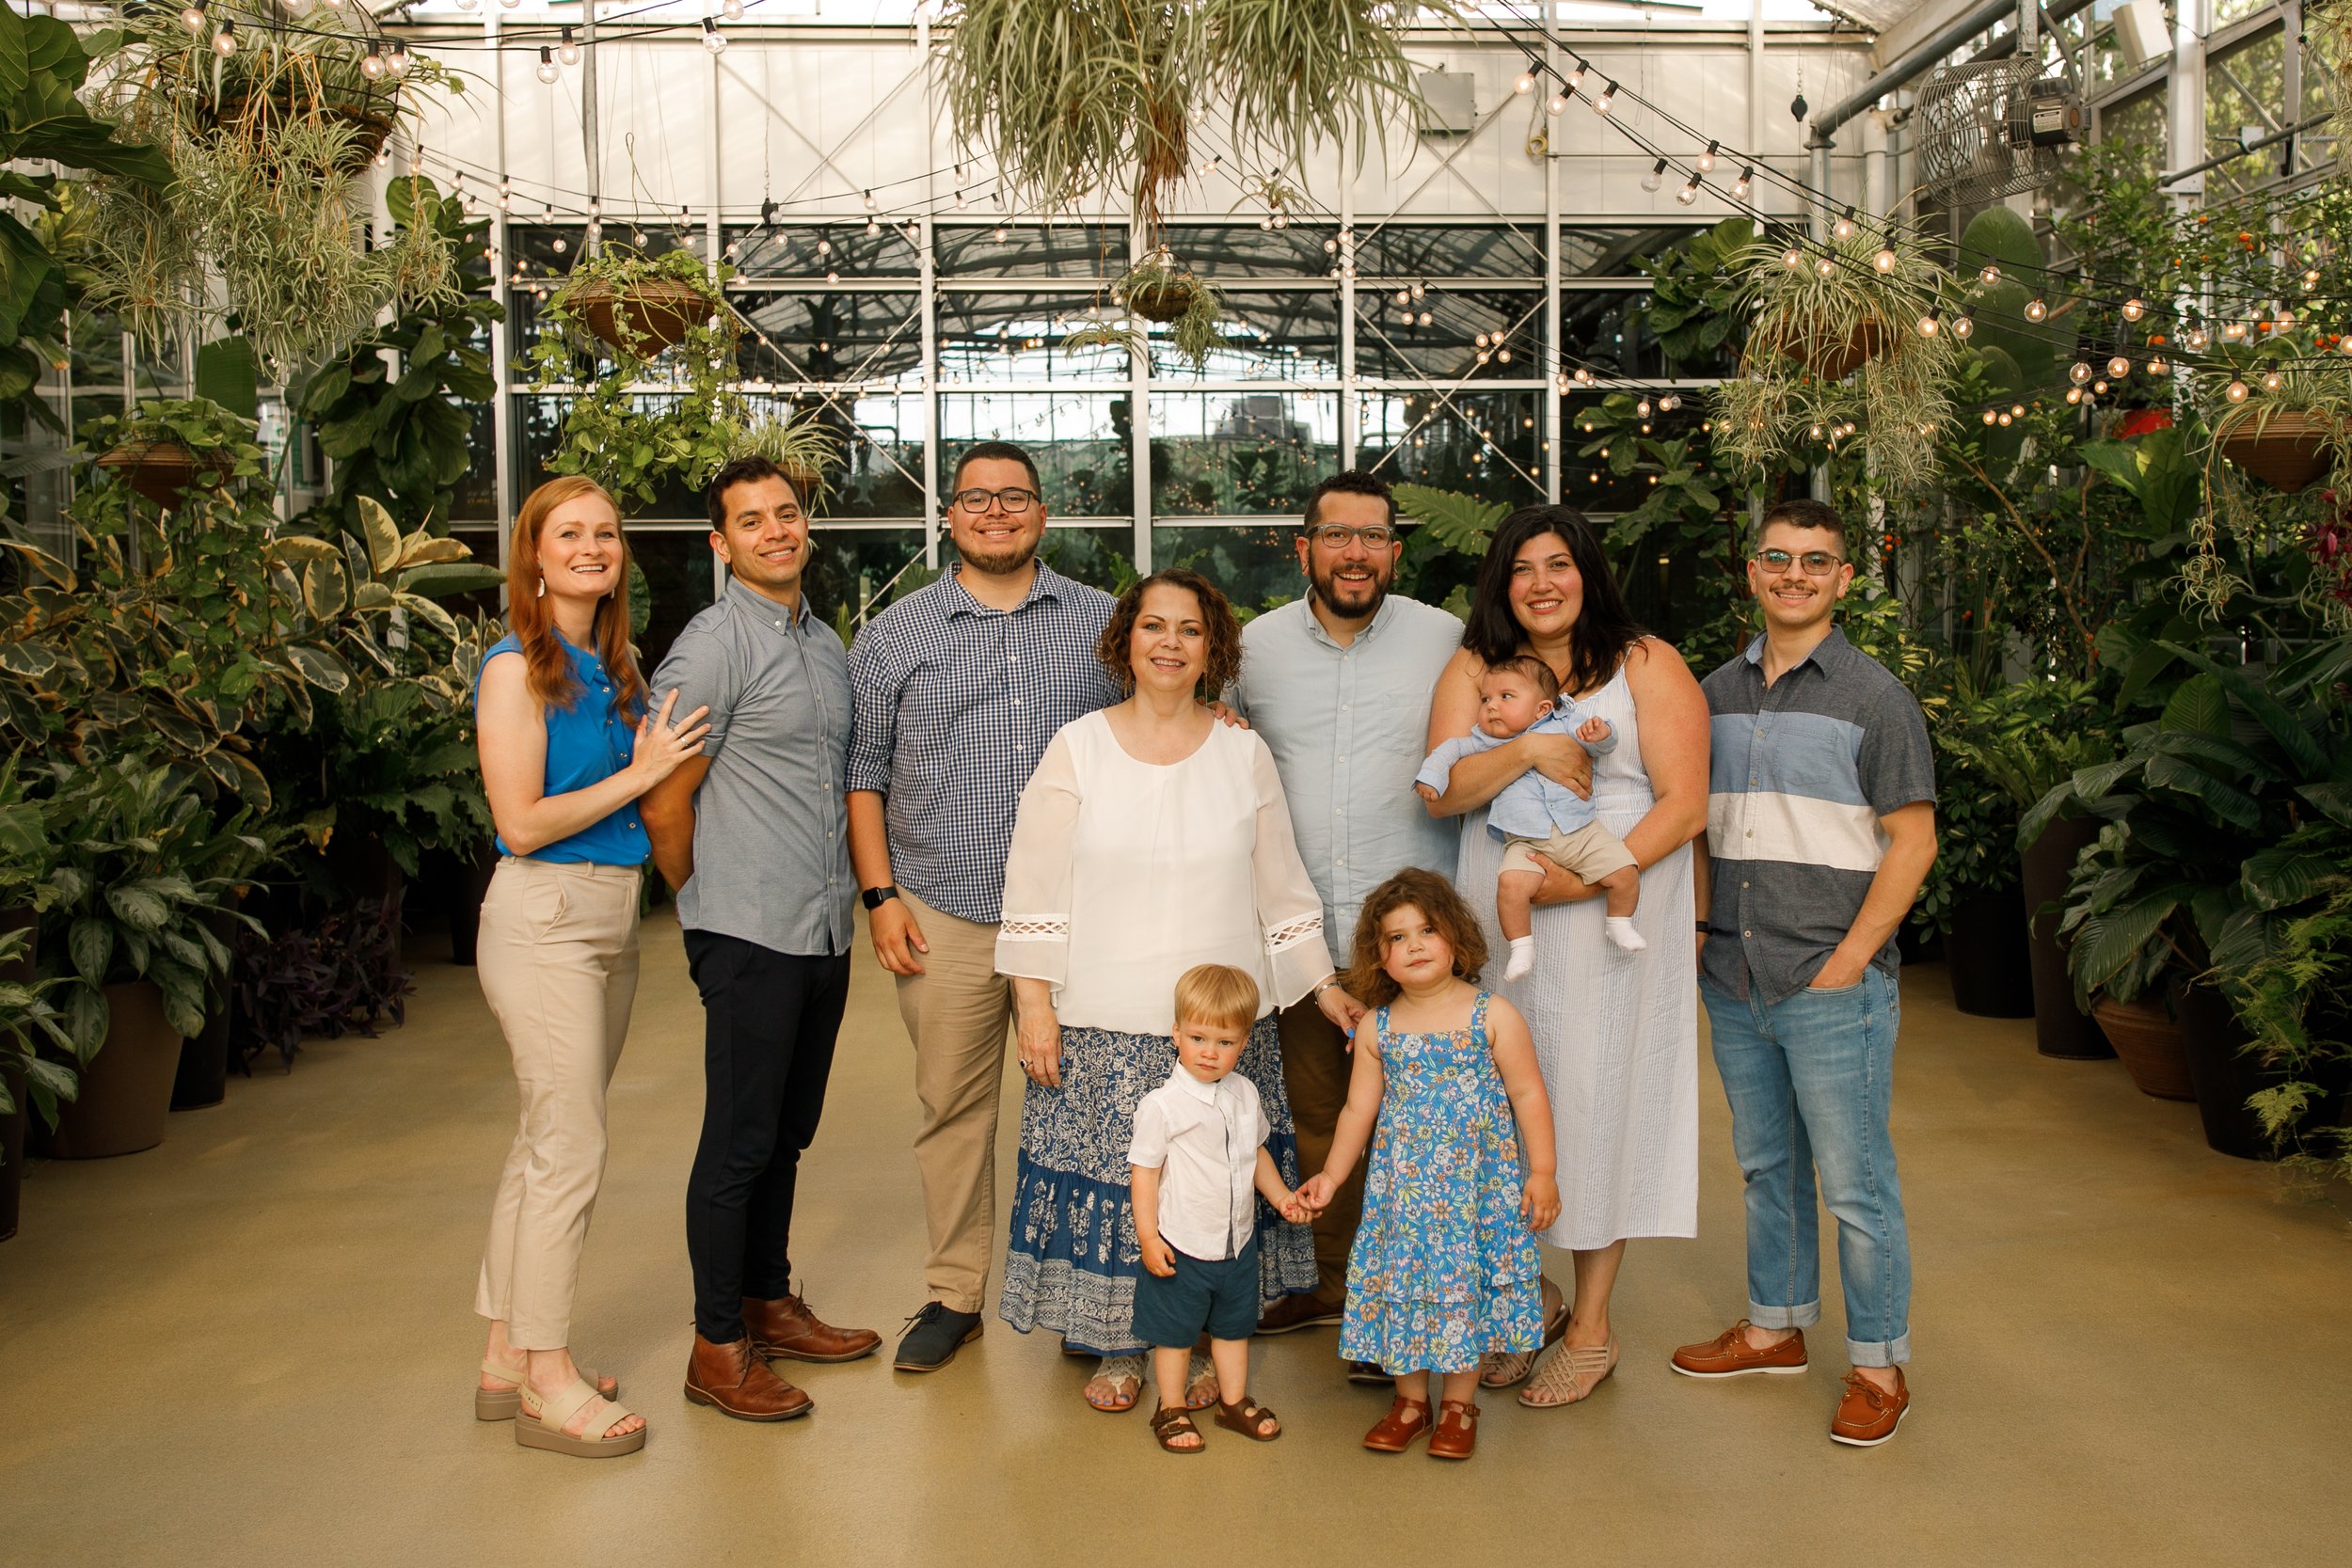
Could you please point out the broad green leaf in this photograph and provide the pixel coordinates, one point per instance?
(2198, 706)
(91, 943)
(383, 535)
(320, 667)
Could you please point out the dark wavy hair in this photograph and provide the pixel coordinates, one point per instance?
(1111, 649)
(1431, 893)
(1604, 628)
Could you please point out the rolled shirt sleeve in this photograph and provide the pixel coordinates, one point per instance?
(700, 671)
(1033, 939)
(1290, 911)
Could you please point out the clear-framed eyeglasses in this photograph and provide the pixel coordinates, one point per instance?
(1335, 536)
(1817, 563)
(1012, 498)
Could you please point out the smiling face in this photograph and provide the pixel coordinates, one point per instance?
(1413, 952)
(1169, 647)
(765, 539)
(1208, 1051)
(580, 553)
(999, 540)
(1547, 589)
(1349, 579)
(1794, 600)
(1509, 702)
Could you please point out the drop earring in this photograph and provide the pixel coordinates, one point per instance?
(543, 587)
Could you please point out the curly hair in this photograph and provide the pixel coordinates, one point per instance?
(1113, 649)
(1431, 893)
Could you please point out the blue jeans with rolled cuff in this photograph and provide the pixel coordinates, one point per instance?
(1810, 1079)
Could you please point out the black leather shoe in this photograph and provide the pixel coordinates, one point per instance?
(933, 1336)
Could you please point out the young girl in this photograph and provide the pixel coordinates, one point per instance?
(1445, 1268)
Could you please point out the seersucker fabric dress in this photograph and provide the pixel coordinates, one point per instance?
(1616, 1034)
(1122, 875)
(1444, 1268)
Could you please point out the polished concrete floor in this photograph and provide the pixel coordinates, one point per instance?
(252, 1346)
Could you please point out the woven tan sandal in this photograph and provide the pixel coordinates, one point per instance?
(1571, 1375)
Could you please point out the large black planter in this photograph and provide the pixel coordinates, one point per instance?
(2225, 1076)
(1984, 953)
(2060, 1029)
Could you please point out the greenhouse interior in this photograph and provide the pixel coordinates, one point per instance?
(1840, 515)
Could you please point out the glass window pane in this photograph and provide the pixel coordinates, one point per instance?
(2138, 125)
(677, 564)
(1079, 441)
(986, 337)
(1486, 444)
(845, 336)
(1404, 252)
(1257, 567)
(2245, 101)
(1235, 454)
(812, 251)
(1606, 333)
(854, 573)
(1270, 334)
(1222, 251)
(1077, 248)
(1464, 326)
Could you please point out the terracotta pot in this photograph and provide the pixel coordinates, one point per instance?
(2286, 451)
(1984, 953)
(162, 471)
(1164, 300)
(1834, 361)
(2060, 1028)
(2144, 1035)
(369, 116)
(657, 313)
(126, 1089)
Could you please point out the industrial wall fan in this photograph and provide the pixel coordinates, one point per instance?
(1993, 127)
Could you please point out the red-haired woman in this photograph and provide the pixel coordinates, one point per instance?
(567, 748)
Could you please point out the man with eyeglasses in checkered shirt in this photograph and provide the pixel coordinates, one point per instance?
(958, 687)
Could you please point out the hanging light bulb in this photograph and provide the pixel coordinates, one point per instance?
(2073, 394)
(2017, 410)
(225, 41)
(1962, 326)
(192, 16)
(1671, 402)
(397, 62)
(1843, 227)
(372, 65)
(1527, 79)
(1576, 75)
(467, 4)
(1558, 102)
(1404, 296)
(1930, 323)
(2099, 387)
(1419, 290)
(713, 40)
(2004, 420)
(568, 50)
(2134, 310)
(1740, 187)
(2199, 338)
(1826, 267)
(1688, 193)
(2036, 310)
(1656, 177)
(548, 72)
(1990, 275)
(1884, 260)
(1792, 258)
(1608, 96)
(1427, 318)
(1642, 409)
(1707, 159)
(2234, 330)
(2271, 382)
(733, 10)
(2119, 367)
(872, 228)
(2236, 393)
(2156, 366)
(2078, 372)
(1480, 341)
(1584, 375)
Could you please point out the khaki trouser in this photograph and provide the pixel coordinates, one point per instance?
(957, 1013)
(558, 962)
(1315, 1068)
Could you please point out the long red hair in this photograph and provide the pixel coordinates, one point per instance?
(528, 617)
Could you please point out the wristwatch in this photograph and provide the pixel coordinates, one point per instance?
(1705, 929)
(875, 898)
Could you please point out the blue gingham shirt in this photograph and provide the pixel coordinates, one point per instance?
(955, 704)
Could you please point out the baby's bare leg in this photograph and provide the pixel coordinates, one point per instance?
(1515, 902)
(1623, 889)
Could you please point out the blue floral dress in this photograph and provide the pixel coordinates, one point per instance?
(1444, 1268)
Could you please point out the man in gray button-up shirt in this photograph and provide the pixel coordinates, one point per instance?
(754, 837)
(1337, 685)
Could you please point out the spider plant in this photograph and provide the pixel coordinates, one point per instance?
(1159, 289)
(2286, 428)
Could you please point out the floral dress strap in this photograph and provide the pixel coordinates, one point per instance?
(1478, 1017)
(1380, 1031)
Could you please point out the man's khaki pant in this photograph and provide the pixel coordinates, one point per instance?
(957, 1013)
(558, 963)
(1315, 1068)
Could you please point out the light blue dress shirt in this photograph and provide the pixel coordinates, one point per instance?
(1348, 727)
(1530, 805)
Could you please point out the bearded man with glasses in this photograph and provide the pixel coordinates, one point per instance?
(1337, 685)
(958, 687)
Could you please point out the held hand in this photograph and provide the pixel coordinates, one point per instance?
(661, 745)
(1561, 886)
(1158, 1256)
(1593, 730)
(1839, 971)
(1315, 1195)
(1425, 793)
(1539, 1202)
(1294, 1210)
(1341, 1009)
(1225, 715)
(1559, 758)
(898, 939)
(1038, 1035)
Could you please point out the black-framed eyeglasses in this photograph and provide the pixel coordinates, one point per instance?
(1376, 537)
(1013, 498)
(1817, 563)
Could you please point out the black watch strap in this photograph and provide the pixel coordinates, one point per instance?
(1705, 929)
(877, 896)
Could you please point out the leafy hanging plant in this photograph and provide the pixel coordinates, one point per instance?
(1870, 303)
(1159, 289)
(2274, 433)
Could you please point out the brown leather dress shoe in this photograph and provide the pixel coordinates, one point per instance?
(1456, 1432)
(1868, 1414)
(1729, 1354)
(1302, 1311)
(734, 1381)
(786, 1327)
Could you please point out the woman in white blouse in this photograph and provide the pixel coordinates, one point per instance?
(1150, 839)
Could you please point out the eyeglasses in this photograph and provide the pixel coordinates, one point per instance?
(1014, 499)
(1376, 537)
(1817, 563)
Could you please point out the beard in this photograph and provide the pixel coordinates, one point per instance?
(1353, 601)
(997, 563)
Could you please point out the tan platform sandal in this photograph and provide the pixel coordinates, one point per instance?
(501, 1405)
(540, 1424)
(1571, 1375)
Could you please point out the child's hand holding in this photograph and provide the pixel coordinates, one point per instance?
(1160, 1258)
(1593, 730)
(1539, 1201)
(1292, 1210)
(1424, 792)
(1313, 1198)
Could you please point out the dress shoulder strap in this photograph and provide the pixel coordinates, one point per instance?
(1478, 1017)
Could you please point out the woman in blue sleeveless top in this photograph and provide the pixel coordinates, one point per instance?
(567, 749)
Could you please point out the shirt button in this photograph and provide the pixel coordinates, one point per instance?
(1751, 832)
(1743, 884)
(1747, 933)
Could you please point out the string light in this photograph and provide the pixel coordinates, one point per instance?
(2199, 338)
(2119, 367)
(192, 15)
(1930, 323)
(1688, 193)
(870, 201)
(1608, 96)
(1707, 159)
(2156, 366)
(2235, 391)
(1884, 260)
(225, 41)
(1740, 187)
(2036, 310)
(2272, 382)
(1527, 79)
(1843, 227)
(733, 9)
(1559, 101)
(568, 50)
(398, 63)
(1656, 177)
(2134, 310)
(2078, 372)
(713, 40)
(372, 65)
(1962, 326)
(1792, 258)
(1576, 76)
(548, 72)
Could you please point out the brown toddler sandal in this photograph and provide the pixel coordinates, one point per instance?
(1170, 1423)
(1457, 1430)
(1396, 1432)
(1250, 1419)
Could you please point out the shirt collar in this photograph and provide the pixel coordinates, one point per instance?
(1205, 1093)
(1047, 584)
(1827, 654)
(1321, 633)
(760, 608)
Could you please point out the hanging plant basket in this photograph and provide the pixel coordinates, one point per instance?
(644, 318)
(1834, 360)
(2285, 447)
(1163, 297)
(162, 471)
(370, 119)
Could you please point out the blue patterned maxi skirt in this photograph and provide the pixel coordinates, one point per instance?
(1072, 1259)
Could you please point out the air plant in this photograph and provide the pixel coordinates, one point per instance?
(1159, 289)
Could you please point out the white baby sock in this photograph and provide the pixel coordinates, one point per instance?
(1620, 931)
(1523, 957)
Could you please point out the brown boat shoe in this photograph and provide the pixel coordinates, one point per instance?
(1729, 1354)
(1867, 1415)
